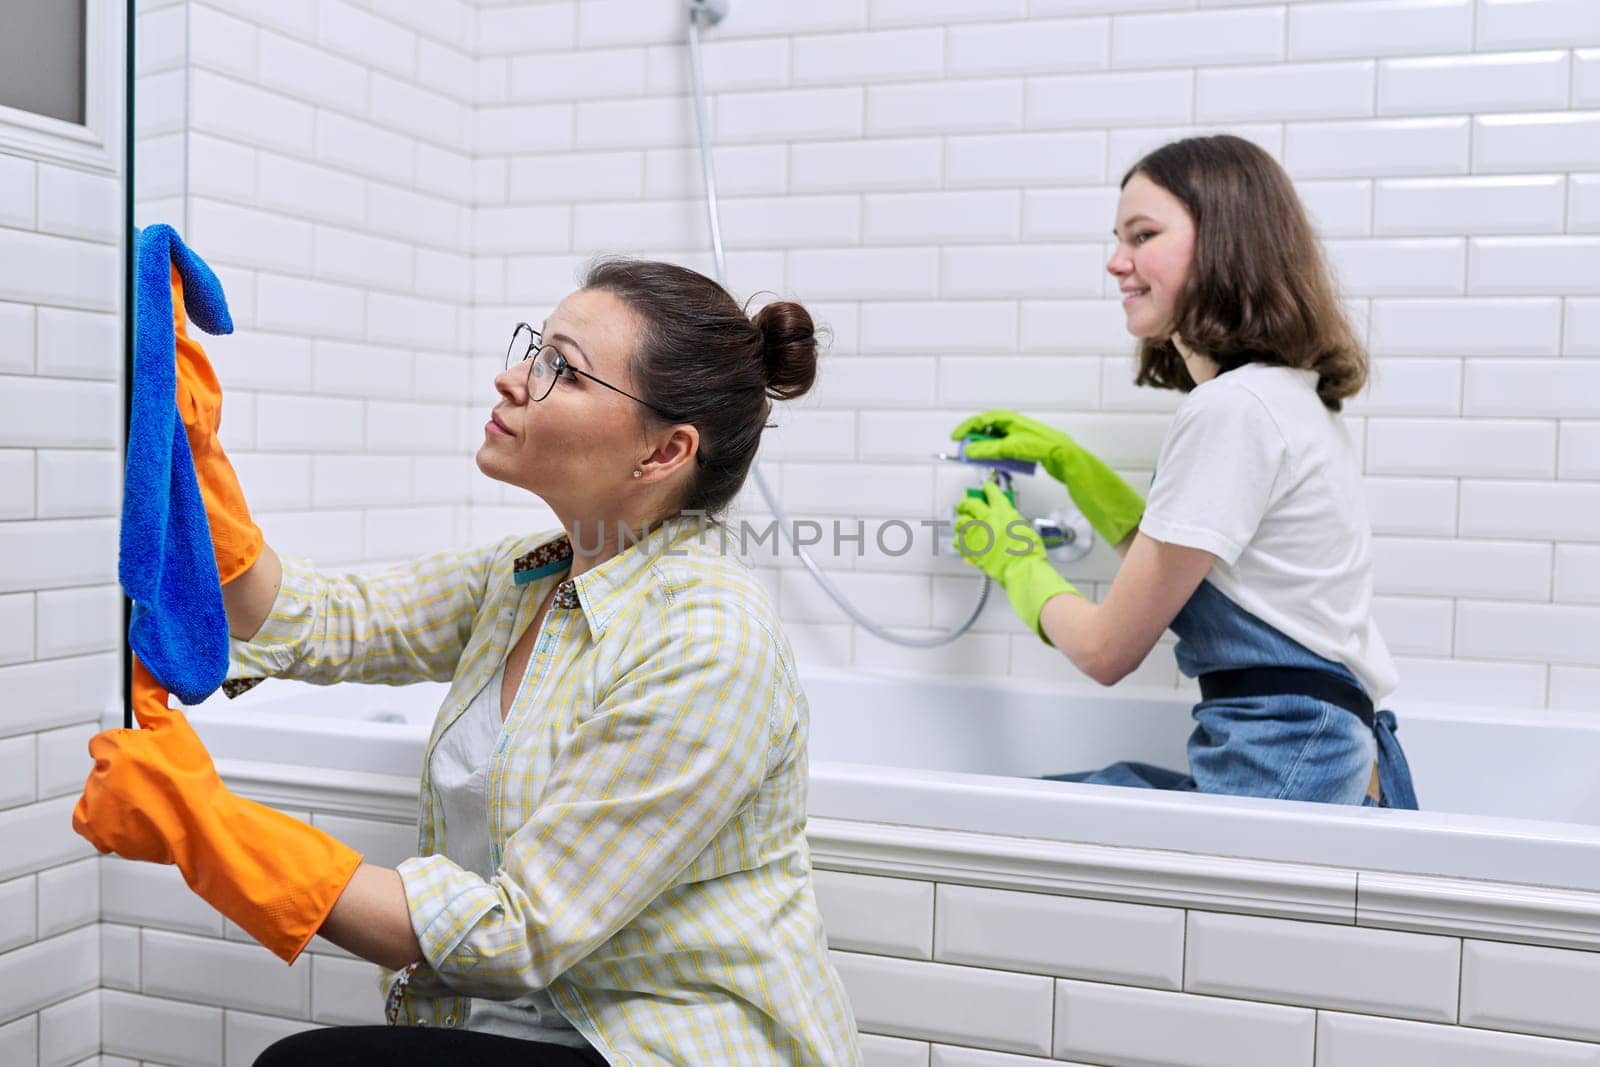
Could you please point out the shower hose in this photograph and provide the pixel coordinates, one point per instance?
(710, 12)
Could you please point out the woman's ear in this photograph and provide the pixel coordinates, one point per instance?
(679, 448)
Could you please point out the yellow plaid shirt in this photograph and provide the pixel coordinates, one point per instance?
(647, 794)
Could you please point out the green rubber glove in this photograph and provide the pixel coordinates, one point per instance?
(993, 537)
(1109, 503)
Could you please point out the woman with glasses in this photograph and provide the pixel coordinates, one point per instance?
(612, 865)
(1254, 546)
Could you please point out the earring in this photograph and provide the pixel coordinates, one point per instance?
(637, 473)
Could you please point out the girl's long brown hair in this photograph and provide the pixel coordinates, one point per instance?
(1258, 290)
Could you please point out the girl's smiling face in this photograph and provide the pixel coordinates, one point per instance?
(1155, 247)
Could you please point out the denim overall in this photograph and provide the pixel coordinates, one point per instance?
(1288, 746)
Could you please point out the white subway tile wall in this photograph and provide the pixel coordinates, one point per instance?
(60, 616)
(1528, 989)
(1376, 972)
(1367, 1041)
(1099, 1023)
(992, 1009)
(326, 153)
(384, 187)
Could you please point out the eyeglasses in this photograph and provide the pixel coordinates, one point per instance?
(546, 364)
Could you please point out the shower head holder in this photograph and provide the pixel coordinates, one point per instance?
(708, 12)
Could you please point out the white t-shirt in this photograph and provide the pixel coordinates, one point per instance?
(460, 773)
(1256, 471)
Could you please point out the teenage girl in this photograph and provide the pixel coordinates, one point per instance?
(1254, 546)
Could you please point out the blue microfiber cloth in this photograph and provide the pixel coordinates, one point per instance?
(179, 629)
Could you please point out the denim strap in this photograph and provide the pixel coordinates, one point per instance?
(1394, 773)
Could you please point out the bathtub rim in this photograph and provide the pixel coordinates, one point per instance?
(1547, 853)
(1551, 856)
(1488, 909)
(212, 708)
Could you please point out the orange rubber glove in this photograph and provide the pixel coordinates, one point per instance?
(155, 795)
(235, 538)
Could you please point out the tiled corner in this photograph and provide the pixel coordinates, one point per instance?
(120, 948)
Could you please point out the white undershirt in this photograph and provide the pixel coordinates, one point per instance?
(460, 773)
(1256, 471)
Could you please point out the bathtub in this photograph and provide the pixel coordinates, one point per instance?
(972, 908)
(1509, 795)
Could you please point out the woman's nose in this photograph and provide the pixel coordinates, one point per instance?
(509, 385)
(1120, 262)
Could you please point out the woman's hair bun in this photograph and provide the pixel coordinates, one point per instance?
(788, 347)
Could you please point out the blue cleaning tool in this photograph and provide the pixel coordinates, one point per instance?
(165, 561)
(1002, 469)
(1010, 466)
(1066, 534)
